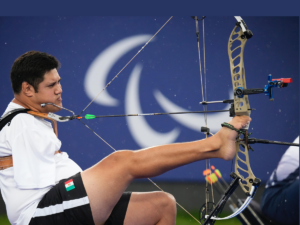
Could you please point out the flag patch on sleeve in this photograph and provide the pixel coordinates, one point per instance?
(69, 185)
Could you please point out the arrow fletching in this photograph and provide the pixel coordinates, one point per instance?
(89, 116)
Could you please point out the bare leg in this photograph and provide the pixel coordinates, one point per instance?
(107, 180)
(151, 208)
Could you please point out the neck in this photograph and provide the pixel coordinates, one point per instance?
(24, 104)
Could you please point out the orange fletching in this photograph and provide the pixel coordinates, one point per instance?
(207, 178)
(206, 172)
(211, 178)
(218, 173)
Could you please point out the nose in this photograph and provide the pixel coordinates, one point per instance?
(58, 90)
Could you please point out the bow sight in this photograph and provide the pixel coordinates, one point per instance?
(280, 83)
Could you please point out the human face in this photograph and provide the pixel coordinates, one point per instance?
(49, 91)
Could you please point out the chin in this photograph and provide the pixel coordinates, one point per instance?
(59, 104)
(55, 109)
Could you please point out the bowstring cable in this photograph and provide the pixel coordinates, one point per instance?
(126, 65)
(204, 98)
(212, 190)
(204, 106)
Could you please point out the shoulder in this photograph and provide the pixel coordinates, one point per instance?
(21, 123)
(23, 119)
(12, 112)
(291, 154)
(24, 122)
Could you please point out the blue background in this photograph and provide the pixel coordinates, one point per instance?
(169, 65)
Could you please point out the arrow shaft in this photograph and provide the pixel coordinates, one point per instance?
(156, 114)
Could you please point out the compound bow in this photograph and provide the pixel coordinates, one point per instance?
(243, 174)
(240, 106)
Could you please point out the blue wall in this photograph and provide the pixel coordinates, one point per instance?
(92, 50)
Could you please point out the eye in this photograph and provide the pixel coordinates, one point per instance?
(51, 85)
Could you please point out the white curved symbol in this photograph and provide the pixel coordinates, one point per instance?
(95, 79)
(142, 133)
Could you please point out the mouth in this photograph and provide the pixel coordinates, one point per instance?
(59, 99)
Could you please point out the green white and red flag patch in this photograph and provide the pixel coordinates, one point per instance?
(69, 185)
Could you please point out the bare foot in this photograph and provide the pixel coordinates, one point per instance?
(226, 137)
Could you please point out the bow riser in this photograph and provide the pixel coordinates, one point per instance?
(238, 39)
(241, 106)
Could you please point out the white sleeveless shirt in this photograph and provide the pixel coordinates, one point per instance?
(32, 143)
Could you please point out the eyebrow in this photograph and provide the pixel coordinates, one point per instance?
(54, 82)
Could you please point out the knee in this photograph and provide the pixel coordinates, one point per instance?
(127, 162)
(119, 157)
(168, 202)
(118, 161)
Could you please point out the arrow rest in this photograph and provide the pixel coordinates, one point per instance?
(231, 110)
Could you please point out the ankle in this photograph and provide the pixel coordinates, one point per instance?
(209, 147)
(216, 142)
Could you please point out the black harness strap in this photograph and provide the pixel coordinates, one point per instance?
(10, 115)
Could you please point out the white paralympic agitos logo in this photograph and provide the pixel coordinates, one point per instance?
(141, 131)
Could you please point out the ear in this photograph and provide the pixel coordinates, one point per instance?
(27, 89)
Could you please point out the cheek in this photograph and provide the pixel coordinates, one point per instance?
(45, 95)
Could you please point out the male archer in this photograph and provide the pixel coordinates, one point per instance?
(44, 186)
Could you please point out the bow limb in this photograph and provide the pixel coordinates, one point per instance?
(236, 45)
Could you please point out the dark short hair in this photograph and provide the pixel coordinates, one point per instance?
(31, 67)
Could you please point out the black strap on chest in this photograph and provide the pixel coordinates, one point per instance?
(10, 115)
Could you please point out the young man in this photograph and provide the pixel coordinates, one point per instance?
(45, 187)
